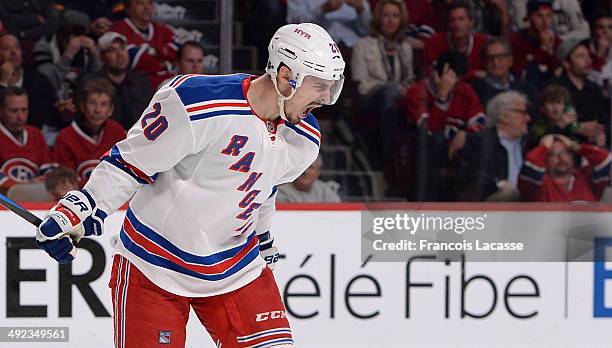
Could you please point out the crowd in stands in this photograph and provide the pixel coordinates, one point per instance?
(453, 100)
(490, 100)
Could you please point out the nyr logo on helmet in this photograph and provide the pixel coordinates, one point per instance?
(302, 33)
(19, 169)
(84, 169)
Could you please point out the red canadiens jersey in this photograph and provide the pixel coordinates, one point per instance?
(77, 150)
(22, 161)
(462, 111)
(152, 53)
(526, 49)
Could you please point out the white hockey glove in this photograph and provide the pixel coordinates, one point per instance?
(73, 217)
(267, 250)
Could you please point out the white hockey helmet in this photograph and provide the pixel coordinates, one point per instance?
(306, 49)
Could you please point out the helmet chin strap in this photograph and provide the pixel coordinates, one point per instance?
(282, 98)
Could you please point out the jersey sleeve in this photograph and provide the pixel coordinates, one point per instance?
(162, 137)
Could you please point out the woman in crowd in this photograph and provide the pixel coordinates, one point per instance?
(382, 67)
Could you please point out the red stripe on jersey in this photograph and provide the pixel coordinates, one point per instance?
(139, 173)
(264, 339)
(215, 105)
(181, 80)
(153, 248)
(310, 128)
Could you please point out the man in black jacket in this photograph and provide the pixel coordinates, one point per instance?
(489, 163)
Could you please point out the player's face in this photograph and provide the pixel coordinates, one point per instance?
(15, 112)
(313, 93)
(10, 50)
(116, 56)
(459, 23)
(192, 61)
(97, 109)
(141, 10)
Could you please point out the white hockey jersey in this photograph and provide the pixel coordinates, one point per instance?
(202, 169)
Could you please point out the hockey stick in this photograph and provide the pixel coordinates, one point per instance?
(19, 210)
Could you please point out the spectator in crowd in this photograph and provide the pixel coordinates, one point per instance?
(308, 188)
(421, 11)
(550, 172)
(78, 54)
(491, 16)
(599, 48)
(559, 117)
(345, 20)
(444, 108)
(568, 20)
(534, 48)
(13, 74)
(59, 181)
(489, 164)
(29, 21)
(150, 44)
(101, 12)
(460, 37)
(190, 58)
(24, 155)
(382, 67)
(587, 97)
(444, 104)
(497, 58)
(422, 21)
(133, 89)
(81, 145)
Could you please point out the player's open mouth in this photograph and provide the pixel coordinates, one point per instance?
(307, 111)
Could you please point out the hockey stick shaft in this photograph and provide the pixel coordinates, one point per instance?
(19, 210)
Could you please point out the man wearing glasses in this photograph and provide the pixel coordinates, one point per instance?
(497, 58)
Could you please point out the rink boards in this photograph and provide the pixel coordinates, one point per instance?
(334, 297)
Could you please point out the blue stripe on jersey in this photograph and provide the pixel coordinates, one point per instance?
(181, 254)
(162, 262)
(200, 88)
(301, 132)
(115, 159)
(219, 113)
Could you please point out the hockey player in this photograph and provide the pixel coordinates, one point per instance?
(202, 165)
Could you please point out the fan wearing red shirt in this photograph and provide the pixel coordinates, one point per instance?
(443, 103)
(80, 145)
(534, 48)
(150, 44)
(550, 175)
(24, 155)
(461, 37)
